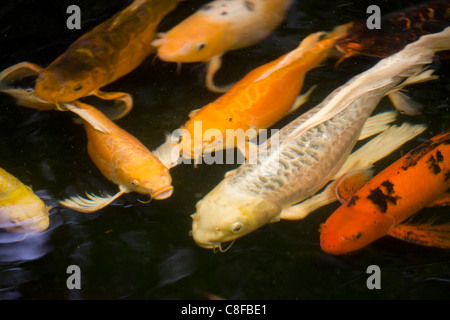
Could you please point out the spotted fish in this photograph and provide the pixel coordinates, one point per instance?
(311, 149)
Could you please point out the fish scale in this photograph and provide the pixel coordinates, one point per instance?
(311, 157)
(313, 150)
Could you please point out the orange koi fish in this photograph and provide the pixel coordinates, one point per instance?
(254, 102)
(121, 158)
(101, 56)
(380, 207)
(217, 27)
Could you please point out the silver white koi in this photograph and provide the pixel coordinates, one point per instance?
(311, 149)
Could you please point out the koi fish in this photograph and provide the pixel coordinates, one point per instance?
(405, 26)
(21, 210)
(121, 158)
(101, 56)
(217, 27)
(310, 150)
(252, 103)
(382, 205)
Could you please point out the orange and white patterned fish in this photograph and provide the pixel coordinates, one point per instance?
(217, 27)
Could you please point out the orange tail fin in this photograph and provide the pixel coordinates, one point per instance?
(426, 235)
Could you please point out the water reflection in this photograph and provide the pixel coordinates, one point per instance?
(179, 264)
(143, 251)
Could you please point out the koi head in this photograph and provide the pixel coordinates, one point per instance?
(68, 80)
(348, 230)
(146, 176)
(225, 214)
(28, 216)
(196, 39)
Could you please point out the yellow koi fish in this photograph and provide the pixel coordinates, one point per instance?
(21, 210)
(217, 27)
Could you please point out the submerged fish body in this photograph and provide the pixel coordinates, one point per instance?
(104, 54)
(122, 159)
(392, 196)
(21, 210)
(254, 102)
(405, 26)
(225, 25)
(217, 27)
(310, 151)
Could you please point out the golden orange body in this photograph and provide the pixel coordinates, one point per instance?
(104, 54)
(395, 194)
(261, 98)
(124, 160)
(220, 26)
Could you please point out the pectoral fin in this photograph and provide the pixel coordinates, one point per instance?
(402, 102)
(25, 97)
(212, 66)
(91, 203)
(377, 123)
(379, 147)
(304, 208)
(356, 170)
(405, 104)
(350, 183)
(302, 99)
(123, 103)
(425, 235)
(193, 113)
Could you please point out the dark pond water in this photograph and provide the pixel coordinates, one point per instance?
(132, 250)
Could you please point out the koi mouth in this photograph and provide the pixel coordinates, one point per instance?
(163, 193)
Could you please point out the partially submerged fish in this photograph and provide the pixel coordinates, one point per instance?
(217, 27)
(405, 26)
(101, 56)
(381, 206)
(252, 103)
(121, 158)
(311, 150)
(21, 210)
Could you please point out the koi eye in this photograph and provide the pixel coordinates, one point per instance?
(134, 182)
(78, 87)
(236, 227)
(201, 46)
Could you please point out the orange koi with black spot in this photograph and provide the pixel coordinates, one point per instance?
(380, 207)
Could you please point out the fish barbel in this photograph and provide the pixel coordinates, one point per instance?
(310, 150)
(21, 210)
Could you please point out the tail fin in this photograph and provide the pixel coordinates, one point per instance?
(426, 235)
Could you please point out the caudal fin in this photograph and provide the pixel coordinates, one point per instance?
(425, 235)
